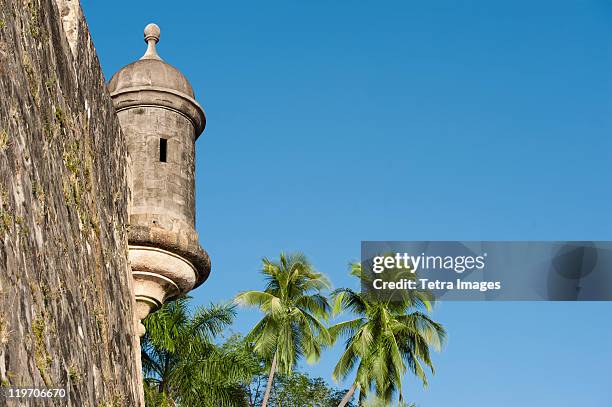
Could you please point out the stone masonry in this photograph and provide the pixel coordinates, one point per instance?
(66, 305)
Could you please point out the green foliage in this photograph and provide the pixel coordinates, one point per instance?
(385, 340)
(376, 402)
(6, 217)
(60, 116)
(31, 78)
(73, 374)
(300, 390)
(6, 220)
(181, 364)
(4, 139)
(35, 26)
(72, 157)
(294, 308)
(295, 390)
(243, 350)
(50, 83)
(41, 355)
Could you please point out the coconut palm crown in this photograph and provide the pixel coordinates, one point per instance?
(387, 339)
(294, 309)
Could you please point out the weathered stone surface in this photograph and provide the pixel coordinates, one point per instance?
(165, 189)
(161, 121)
(150, 73)
(66, 306)
(184, 244)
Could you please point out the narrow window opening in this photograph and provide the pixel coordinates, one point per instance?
(163, 149)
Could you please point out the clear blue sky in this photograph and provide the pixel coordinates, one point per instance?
(335, 122)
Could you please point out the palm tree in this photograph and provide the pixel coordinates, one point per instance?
(387, 338)
(294, 307)
(181, 364)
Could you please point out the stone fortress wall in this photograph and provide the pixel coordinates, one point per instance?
(66, 304)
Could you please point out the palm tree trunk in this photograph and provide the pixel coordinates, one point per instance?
(264, 403)
(348, 395)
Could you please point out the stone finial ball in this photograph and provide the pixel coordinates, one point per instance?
(151, 31)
